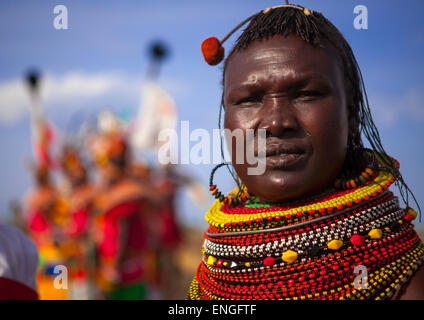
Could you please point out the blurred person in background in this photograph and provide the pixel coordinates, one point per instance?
(126, 246)
(79, 194)
(18, 265)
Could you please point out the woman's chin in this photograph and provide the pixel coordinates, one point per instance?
(283, 188)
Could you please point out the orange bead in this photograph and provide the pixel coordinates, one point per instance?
(369, 171)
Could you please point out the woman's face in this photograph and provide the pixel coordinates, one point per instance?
(295, 92)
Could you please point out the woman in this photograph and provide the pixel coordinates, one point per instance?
(79, 195)
(322, 209)
(125, 237)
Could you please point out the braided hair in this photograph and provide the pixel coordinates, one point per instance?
(315, 29)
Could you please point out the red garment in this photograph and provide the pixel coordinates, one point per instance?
(37, 222)
(14, 290)
(129, 210)
(79, 222)
(131, 268)
(169, 233)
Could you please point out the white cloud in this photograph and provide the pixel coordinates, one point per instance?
(71, 89)
(388, 110)
(75, 90)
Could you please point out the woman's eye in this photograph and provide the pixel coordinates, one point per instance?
(248, 100)
(309, 94)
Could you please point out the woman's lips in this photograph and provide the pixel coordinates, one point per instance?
(285, 160)
(284, 156)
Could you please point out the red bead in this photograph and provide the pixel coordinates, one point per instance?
(357, 240)
(408, 217)
(212, 187)
(269, 261)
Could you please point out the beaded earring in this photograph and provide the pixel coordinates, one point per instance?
(232, 200)
(356, 156)
(365, 176)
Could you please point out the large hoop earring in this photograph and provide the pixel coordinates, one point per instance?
(232, 200)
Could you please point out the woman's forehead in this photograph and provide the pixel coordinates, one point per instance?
(280, 57)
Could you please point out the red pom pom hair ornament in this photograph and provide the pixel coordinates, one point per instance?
(212, 49)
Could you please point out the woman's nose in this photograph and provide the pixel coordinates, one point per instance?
(278, 117)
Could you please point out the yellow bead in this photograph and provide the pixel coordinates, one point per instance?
(375, 233)
(412, 212)
(335, 244)
(247, 264)
(211, 260)
(289, 256)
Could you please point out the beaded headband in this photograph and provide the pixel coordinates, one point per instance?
(212, 49)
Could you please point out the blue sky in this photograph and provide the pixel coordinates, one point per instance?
(107, 41)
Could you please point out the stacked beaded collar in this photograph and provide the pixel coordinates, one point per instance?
(309, 249)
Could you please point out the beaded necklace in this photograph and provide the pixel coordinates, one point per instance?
(309, 249)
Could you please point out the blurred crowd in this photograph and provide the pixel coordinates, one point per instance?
(102, 217)
(104, 220)
(115, 233)
(115, 229)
